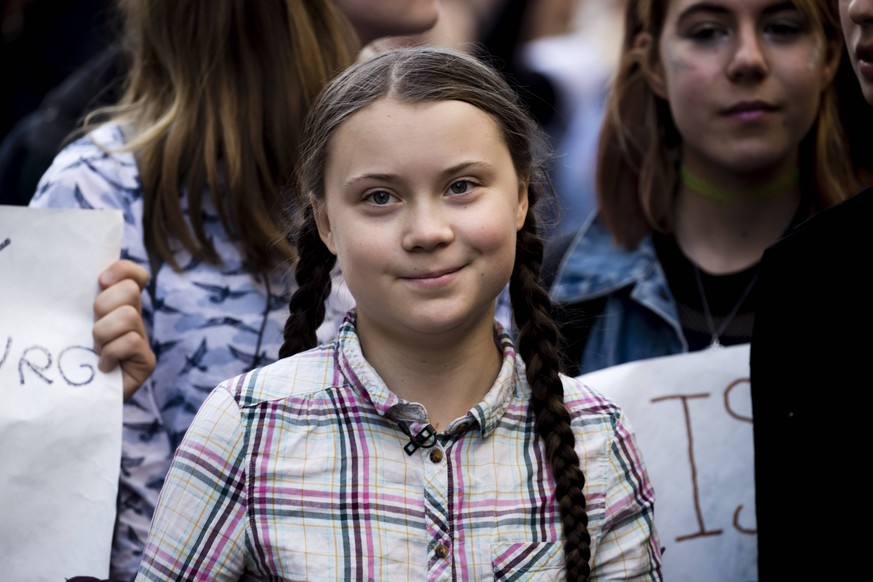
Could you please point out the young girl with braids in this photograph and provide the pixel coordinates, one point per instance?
(419, 444)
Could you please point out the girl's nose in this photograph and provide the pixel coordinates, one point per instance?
(861, 11)
(748, 61)
(427, 227)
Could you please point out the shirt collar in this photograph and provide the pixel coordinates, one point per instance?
(510, 383)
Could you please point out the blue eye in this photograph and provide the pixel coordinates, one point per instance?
(379, 197)
(460, 187)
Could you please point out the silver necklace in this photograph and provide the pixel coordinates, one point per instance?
(716, 333)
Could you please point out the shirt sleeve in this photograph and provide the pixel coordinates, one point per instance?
(199, 527)
(82, 176)
(628, 547)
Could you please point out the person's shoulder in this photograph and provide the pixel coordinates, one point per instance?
(300, 375)
(583, 400)
(595, 264)
(834, 227)
(101, 143)
(849, 214)
(595, 417)
(90, 172)
(821, 255)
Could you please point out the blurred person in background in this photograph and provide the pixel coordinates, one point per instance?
(693, 185)
(195, 154)
(584, 63)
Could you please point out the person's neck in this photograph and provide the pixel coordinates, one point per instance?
(447, 376)
(736, 188)
(726, 228)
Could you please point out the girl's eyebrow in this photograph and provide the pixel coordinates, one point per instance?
(374, 176)
(716, 8)
(471, 165)
(448, 172)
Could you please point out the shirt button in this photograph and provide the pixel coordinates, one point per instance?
(441, 552)
(436, 455)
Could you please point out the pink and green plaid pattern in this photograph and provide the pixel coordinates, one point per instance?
(296, 471)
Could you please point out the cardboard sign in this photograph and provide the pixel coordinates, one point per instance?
(60, 422)
(692, 415)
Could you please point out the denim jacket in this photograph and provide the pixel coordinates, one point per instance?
(640, 318)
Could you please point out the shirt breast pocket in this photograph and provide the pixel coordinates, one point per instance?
(519, 561)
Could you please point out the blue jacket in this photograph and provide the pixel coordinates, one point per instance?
(639, 319)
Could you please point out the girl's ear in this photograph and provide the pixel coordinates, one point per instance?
(650, 63)
(319, 212)
(523, 202)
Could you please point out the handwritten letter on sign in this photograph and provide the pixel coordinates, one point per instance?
(692, 415)
(60, 423)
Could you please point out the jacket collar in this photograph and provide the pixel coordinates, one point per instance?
(595, 266)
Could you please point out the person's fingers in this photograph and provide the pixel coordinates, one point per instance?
(129, 345)
(120, 321)
(125, 292)
(132, 353)
(120, 336)
(124, 269)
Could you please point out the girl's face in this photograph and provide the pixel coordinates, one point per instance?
(744, 80)
(856, 17)
(422, 205)
(374, 19)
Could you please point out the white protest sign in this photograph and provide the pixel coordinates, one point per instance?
(60, 422)
(692, 415)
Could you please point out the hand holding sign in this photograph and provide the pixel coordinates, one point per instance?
(60, 424)
(119, 333)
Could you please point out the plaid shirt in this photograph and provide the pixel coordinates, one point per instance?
(297, 471)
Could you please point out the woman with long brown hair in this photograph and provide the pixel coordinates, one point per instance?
(196, 154)
(722, 132)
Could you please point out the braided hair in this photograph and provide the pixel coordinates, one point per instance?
(426, 75)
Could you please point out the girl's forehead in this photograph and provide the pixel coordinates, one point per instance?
(391, 137)
(389, 114)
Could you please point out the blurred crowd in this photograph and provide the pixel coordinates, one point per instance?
(62, 58)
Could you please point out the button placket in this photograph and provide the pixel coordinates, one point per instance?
(438, 518)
